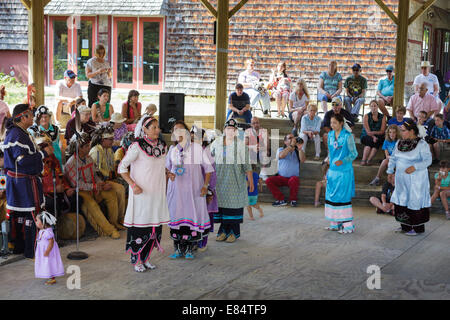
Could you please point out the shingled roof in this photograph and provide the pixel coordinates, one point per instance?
(13, 25)
(107, 7)
(306, 34)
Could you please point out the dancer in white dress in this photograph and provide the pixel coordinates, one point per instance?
(147, 207)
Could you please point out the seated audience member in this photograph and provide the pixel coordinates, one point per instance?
(4, 111)
(447, 109)
(385, 91)
(102, 110)
(356, 86)
(440, 135)
(336, 108)
(392, 135)
(422, 101)
(330, 85)
(424, 124)
(298, 102)
(65, 194)
(126, 141)
(87, 125)
(280, 84)
(321, 183)
(399, 118)
(431, 81)
(310, 129)
(120, 128)
(67, 92)
(131, 110)
(239, 104)
(103, 156)
(372, 135)
(151, 109)
(289, 159)
(42, 125)
(442, 186)
(250, 79)
(385, 205)
(92, 189)
(2, 191)
(79, 102)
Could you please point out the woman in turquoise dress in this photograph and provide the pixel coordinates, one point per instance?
(340, 187)
(232, 167)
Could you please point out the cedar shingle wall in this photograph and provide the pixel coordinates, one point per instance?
(306, 34)
(13, 25)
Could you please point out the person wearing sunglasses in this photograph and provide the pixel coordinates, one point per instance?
(356, 86)
(336, 108)
(385, 91)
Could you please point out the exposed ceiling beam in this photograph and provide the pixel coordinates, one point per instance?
(421, 10)
(26, 3)
(236, 8)
(209, 7)
(387, 10)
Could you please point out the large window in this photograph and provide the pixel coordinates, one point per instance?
(426, 42)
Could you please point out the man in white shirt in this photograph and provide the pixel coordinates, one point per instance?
(249, 79)
(430, 79)
(67, 93)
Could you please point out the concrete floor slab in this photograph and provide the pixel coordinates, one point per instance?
(284, 255)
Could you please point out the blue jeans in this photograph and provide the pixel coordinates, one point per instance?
(322, 97)
(355, 109)
(247, 115)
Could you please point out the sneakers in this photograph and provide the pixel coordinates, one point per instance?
(411, 233)
(139, 268)
(177, 254)
(279, 203)
(50, 281)
(375, 182)
(399, 230)
(293, 203)
(150, 266)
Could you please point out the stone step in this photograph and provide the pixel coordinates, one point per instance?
(307, 190)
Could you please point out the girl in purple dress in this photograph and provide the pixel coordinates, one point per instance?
(47, 263)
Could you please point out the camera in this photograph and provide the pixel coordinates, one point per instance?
(299, 140)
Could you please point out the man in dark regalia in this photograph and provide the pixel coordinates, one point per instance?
(23, 166)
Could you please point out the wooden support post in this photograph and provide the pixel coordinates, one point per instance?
(421, 10)
(36, 53)
(387, 10)
(400, 54)
(236, 8)
(221, 63)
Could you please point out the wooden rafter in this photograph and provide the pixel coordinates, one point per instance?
(210, 8)
(26, 3)
(421, 10)
(46, 2)
(387, 10)
(236, 8)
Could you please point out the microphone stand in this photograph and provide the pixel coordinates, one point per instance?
(54, 201)
(77, 255)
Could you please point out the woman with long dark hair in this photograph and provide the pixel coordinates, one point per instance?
(131, 110)
(147, 207)
(186, 193)
(411, 158)
(340, 187)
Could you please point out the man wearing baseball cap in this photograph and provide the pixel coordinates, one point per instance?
(67, 92)
(385, 91)
(356, 86)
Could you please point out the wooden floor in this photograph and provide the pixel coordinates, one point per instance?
(285, 255)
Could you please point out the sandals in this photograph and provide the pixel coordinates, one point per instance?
(139, 268)
(50, 281)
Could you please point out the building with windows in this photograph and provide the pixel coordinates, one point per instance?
(168, 45)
